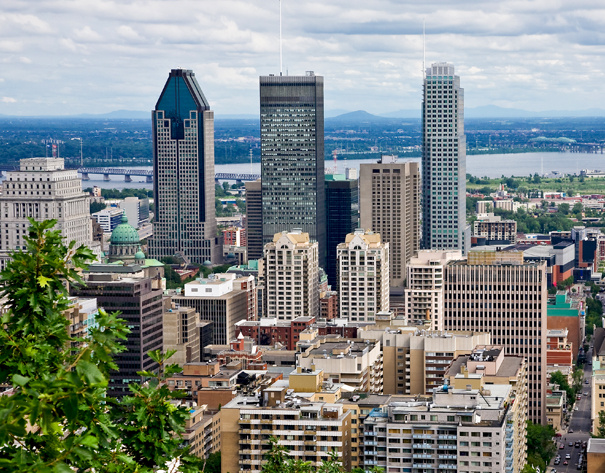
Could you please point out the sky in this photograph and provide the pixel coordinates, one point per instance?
(64, 57)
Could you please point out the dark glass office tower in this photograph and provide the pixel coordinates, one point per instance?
(183, 166)
(292, 157)
(342, 216)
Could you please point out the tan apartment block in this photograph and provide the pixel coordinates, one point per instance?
(389, 198)
(415, 360)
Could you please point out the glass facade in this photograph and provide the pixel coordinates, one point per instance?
(183, 145)
(292, 157)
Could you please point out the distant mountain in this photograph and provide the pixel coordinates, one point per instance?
(360, 116)
(335, 112)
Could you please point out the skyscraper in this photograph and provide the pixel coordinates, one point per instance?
(342, 217)
(254, 220)
(443, 161)
(183, 166)
(389, 194)
(292, 157)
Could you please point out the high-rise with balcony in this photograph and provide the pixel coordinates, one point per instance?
(292, 157)
(443, 161)
(389, 205)
(183, 167)
(363, 276)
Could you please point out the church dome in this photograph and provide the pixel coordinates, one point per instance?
(139, 255)
(124, 233)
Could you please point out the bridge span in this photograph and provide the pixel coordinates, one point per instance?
(148, 174)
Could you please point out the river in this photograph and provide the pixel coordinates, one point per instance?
(480, 165)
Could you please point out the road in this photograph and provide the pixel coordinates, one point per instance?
(580, 424)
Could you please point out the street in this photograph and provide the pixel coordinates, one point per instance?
(580, 424)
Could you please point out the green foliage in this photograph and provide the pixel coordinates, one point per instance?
(594, 311)
(58, 418)
(601, 425)
(279, 461)
(540, 448)
(213, 462)
(123, 193)
(559, 378)
(96, 207)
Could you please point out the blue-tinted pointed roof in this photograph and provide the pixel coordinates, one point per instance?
(182, 93)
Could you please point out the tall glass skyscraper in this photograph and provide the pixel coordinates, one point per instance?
(183, 166)
(443, 161)
(292, 157)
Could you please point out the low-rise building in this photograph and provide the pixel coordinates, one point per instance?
(495, 231)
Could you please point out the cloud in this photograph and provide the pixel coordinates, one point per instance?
(8, 100)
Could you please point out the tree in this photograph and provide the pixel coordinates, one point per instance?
(563, 208)
(96, 207)
(540, 448)
(601, 426)
(58, 418)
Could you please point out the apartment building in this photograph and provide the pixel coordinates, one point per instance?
(291, 276)
(424, 291)
(415, 360)
(494, 231)
(363, 276)
(462, 430)
(390, 205)
(309, 430)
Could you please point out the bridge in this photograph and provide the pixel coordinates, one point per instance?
(148, 174)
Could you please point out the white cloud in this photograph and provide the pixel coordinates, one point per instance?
(8, 100)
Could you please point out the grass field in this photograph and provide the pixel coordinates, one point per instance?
(594, 185)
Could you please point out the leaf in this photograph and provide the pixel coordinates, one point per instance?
(43, 281)
(91, 373)
(70, 406)
(62, 468)
(20, 380)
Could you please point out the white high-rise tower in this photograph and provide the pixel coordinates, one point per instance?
(443, 161)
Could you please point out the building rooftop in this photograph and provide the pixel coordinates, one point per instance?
(595, 446)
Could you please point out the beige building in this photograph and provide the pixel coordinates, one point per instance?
(390, 205)
(556, 401)
(202, 430)
(309, 430)
(181, 333)
(487, 366)
(595, 455)
(43, 189)
(498, 292)
(363, 276)
(424, 291)
(356, 363)
(291, 276)
(415, 360)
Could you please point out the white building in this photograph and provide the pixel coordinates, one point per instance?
(109, 218)
(137, 210)
(291, 276)
(363, 276)
(42, 189)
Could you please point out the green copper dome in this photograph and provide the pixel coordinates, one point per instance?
(124, 233)
(139, 255)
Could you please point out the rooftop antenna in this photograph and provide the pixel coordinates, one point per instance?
(280, 48)
(423, 48)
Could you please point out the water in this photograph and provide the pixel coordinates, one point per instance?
(482, 165)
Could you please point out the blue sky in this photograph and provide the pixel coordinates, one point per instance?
(65, 57)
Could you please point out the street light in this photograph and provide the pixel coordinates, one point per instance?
(81, 155)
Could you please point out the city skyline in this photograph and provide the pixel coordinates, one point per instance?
(63, 59)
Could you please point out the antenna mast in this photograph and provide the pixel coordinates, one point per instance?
(423, 48)
(280, 48)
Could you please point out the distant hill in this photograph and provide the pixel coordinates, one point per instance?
(360, 116)
(493, 111)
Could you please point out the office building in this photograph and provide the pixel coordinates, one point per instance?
(490, 229)
(139, 301)
(424, 291)
(217, 300)
(137, 210)
(291, 276)
(342, 216)
(500, 293)
(181, 333)
(443, 161)
(363, 276)
(292, 157)
(183, 168)
(42, 189)
(254, 220)
(389, 204)
(109, 218)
